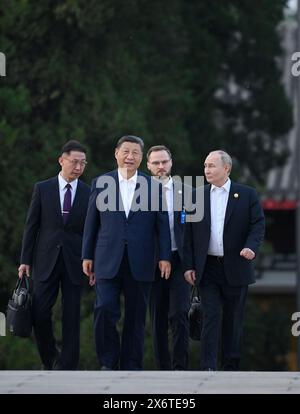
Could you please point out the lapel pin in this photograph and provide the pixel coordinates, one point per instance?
(235, 195)
(179, 192)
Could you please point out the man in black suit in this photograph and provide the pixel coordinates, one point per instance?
(170, 298)
(119, 255)
(218, 255)
(51, 251)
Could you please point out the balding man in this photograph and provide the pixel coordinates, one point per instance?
(218, 256)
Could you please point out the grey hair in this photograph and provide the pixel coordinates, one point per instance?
(225, 157)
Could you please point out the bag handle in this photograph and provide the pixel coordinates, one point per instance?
(23, 281)
(195, 292)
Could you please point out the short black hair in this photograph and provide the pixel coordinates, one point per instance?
(157, 148)
(72, 145)
(131, 138)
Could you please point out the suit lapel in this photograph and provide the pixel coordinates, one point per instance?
(177, 219)
(77, 201)
(119, 201)
(55, 199)
(207, 203)
(177, 195)
(131, 213)
(233, 198)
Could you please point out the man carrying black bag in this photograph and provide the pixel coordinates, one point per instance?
(218, 255)
(51, 251)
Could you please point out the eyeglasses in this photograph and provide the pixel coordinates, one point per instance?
(156, 163)
(75, 162)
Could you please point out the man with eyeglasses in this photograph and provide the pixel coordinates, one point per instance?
(169, 300)
(51, 253)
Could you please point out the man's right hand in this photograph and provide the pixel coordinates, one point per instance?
(87, 266)
(23, 268)
(190, 276)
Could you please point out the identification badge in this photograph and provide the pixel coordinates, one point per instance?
(182, 216)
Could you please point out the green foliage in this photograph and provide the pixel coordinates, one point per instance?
(266, 342)
(267, 336)
(162, 70)
(18, 353)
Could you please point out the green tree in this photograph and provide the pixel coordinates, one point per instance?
(192, 75)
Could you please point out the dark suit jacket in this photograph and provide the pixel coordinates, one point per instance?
(183, 192)
(107, 232)
(243, 227)
(178, 232)
(45, 233)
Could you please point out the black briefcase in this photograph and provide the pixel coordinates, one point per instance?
(195, 314)
(18, 315)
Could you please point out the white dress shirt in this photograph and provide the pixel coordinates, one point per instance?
(127, 188)
(218, 204)
(169, 191)
(62, 189)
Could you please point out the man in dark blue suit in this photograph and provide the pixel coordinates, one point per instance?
(51, 251)
(218, 255)
(170, 298)
(119, 255)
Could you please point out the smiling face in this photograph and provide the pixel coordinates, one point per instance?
(129, 157)
(215, 170)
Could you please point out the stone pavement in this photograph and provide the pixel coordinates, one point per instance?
(148, 382)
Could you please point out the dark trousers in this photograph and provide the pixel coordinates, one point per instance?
(44, 297)
(217, 296)
(169, 306)
(127, 352)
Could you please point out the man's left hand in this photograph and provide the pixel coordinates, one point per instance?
(165, 268)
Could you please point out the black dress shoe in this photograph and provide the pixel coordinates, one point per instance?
(56, 360)
(54, 364)
(46, 367)
(104, 368)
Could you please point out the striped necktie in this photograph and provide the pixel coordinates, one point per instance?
(67, 203)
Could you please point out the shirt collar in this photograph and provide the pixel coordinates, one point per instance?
(62, 182)
(225, 186)
(133, 179)
(169, 184)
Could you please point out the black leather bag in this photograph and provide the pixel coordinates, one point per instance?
(195, 314)
(18, 315)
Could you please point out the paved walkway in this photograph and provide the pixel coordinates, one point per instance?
(148, 382)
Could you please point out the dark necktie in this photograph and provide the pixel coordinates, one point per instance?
(67, 203)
